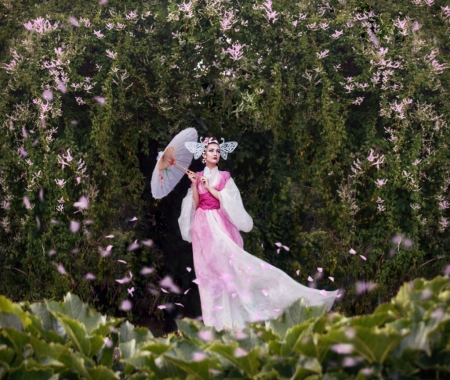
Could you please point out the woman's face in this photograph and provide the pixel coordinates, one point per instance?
(212, 154)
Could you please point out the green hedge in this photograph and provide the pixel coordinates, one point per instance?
(323, 120)
(404, 339)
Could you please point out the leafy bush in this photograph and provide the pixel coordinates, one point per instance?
(340, 109)
(405, 339)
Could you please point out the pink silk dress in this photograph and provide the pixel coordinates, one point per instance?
(235, 287)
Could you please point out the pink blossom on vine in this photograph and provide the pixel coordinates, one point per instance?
(228, 21)
(111, 54)
(99, 34)
(337, 34)
(322, 54)
(235, 52)
(380, 182)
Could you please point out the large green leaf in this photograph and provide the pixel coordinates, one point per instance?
(8, 307)
(248, 363)
(295, 314)
(23, 373)
(129, 332)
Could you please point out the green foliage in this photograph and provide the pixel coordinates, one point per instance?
(406, 338)
(343, 138)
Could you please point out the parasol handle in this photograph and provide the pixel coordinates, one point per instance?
(182, 167)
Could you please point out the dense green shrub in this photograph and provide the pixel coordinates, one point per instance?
(404, 339)
(340, 109)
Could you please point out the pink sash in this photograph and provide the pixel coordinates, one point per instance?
(206, 200)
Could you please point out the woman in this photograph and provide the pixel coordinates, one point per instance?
(235, 287)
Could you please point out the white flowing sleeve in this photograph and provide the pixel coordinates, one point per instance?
(187, 216)
(231, 204)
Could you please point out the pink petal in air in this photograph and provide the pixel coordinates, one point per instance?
(297, 272)
(51, 252)
(126, 305)
(74, 226)
(286, 248)
(179, 304)
(122, 261)
(27, 202)
(133, 219)
(320, 270)
(167, 282)
(61, 269)
(133, 246)
(310, 279)
(164, 290)
(331, 278)
(188, 269)
(130, 291)
(352, 251)
(278, 250)
(145, 271)
(161, 307)
(186, 291)
(147, 243)
(239, 352)
(90, 276)
(74, 21)
(196, 281)
(109, 236)
(363, 257)
(102, 101)
(109, 247)
(278, 244)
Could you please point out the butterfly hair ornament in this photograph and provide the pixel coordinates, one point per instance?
(199, 147)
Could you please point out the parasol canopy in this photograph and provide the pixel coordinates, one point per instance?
(172, 163)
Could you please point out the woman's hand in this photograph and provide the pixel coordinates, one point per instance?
(192, 176)
(205, 182)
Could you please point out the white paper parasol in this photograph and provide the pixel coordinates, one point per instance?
(172, 163)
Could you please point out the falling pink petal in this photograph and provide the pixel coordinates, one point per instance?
(61, 269)
(161, 306)
(179, 304)
(54, 221)
(234, 295)
(331, 278)
(104, 253)
(27, 202)
(265, 292)
(51, 252)
(88, 222)
(24, 132)
(323, 292)
(362, 286)
(41, 195)
(108, 342)
(278, 244)
(123, 280)
(109, 247)
(196, 281)
(199, 356)
(133, 219)
(102, 2)
(38, 222)
(320, 270)
(100, 100)
(239, 352)
(147, 243)
(126, 305)
(188, 269)
(47, 95)
(133, 246)
(164, 290)
(74, 21)
(286, 248)
(310, 279)
(167, 282)
(145, 271)
(218, 308)
(278, 250)
(74, 226)
(109, 236)
(297, 272)
(122, 261)
(82, 203)
(206, 335)
(363, 257)
(342, 348)
(62, 87)
(338, 295)
(130, 291)
(186, 291)
(90, 276)
(352, 251)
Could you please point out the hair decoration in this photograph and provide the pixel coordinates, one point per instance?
(199, 148)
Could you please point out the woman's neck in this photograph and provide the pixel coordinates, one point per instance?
(210, 166)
